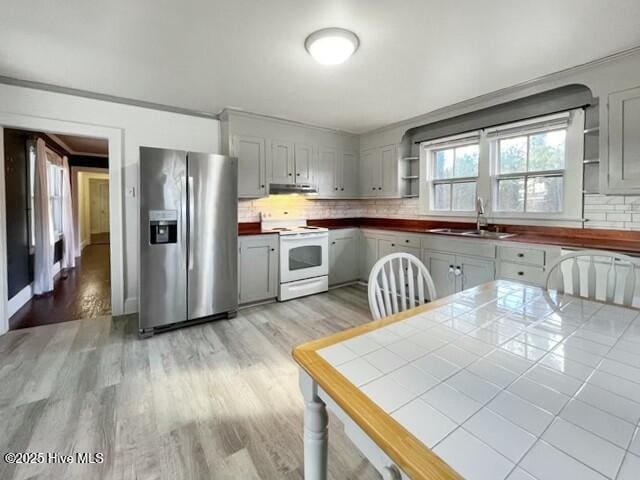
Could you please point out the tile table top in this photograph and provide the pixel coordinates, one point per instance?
(501, 381)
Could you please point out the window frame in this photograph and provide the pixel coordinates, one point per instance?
(486, 182)
(428, 182)
(571, 174)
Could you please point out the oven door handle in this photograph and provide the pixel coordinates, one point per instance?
(303, 237)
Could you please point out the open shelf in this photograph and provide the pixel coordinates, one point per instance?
(410, 177)
(413, 195)
(410, 158)
(591, 160)
(591, 130)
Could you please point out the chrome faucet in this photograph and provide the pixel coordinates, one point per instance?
(480, 213)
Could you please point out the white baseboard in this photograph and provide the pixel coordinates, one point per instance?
(23, 296)
(83, 244)
(131, 305)
(19, 299)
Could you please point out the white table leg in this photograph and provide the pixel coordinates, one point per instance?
(315, 430)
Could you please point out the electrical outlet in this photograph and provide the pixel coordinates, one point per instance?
(131, 192)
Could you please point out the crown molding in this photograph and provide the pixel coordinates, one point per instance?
(104, 97)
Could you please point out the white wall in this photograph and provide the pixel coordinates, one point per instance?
(140, 126)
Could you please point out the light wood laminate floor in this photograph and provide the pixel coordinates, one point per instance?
(218, 400)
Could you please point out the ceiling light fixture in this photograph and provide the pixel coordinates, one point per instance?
(331, 46)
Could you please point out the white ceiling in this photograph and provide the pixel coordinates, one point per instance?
(415, 55)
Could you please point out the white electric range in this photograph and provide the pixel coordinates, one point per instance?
(304, 256)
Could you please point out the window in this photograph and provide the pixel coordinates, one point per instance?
(55, 179)
(528, 170)
(55, 197)
(452, 182)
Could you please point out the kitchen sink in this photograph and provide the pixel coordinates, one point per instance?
(471, 233)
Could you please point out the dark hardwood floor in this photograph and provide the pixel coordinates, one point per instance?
(100, 238)
(83, 292)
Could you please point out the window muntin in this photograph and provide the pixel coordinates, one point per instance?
(530, 176)
(454, 177)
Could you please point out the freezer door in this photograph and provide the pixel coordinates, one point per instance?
(163, 237)
(212, 272)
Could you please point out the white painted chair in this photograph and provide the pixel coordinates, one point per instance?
(595, 274)
(399, 282)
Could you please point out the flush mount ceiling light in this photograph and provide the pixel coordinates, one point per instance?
(331, 46)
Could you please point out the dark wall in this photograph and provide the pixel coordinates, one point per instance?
(86, 161)
(15, 171)
(19, 260)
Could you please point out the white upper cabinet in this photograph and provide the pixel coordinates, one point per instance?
(378, 170)
(349, 170)
(303, 163)
(388, 171)
(325, 171)
(281, 162)
(251, 155)
(620, 144)
(277, 151)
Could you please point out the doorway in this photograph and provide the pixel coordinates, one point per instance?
(99, 211)
(78, 209)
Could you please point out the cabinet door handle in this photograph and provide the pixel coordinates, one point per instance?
(333, 243)
(290, 174)
(336, 188)
(298, 174)
(342, 189)
(406, 241)
(520, 255)
(273, 249)
(393, 244)
(373, 188)
(379, 188)
(261, 186)
(520, 273)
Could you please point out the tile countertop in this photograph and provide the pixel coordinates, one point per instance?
(496, 382)
(615, 240)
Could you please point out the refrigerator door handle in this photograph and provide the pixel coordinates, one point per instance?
(191, 222)
(184, 215)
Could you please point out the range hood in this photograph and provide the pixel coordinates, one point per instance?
(286, 188)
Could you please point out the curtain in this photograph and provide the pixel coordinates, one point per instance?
(43, 231)
(68, 229)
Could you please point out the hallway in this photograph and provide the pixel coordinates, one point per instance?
(84, 292)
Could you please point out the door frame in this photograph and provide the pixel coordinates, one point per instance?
(75, 171)
(114, 137)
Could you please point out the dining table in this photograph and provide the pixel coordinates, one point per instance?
(501, 381)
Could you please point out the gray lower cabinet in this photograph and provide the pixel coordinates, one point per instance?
(257, 268)
(375, 245)
(441, 266)
(454, 273)
(343, 255)
(474, 271)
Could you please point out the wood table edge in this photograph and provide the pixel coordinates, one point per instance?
(411, 455)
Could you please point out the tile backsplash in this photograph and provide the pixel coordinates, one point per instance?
(601, 211)
(612, 211)
(298, 206)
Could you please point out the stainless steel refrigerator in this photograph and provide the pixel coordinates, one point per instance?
(188, 238)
